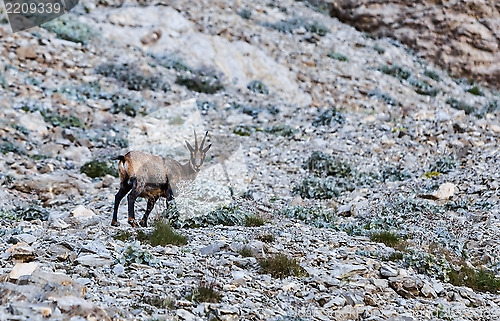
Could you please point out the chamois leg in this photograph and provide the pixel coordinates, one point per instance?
(124, 189)
(149, 208)
(134, 193)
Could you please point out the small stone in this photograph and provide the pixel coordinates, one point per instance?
(21, 269)
(428, 291)
(93, 260)
(27, 238)
(82, 212)
(185, 315)
(344, 210)
(22, 252)
(118, 269)
(212, 248)
(26, 52)
(445, 191)
(387, 271)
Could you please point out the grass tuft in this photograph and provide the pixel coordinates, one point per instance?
(205, 292)
(460, 105)
(480, 280)
(337, 56)
(245, 252)
(97, 168)
(388, 238)
(281, 266)
(254, 221)
(162, 234)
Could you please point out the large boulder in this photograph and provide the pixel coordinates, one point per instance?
(462, 36)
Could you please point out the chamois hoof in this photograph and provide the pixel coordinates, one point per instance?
(115, 223)
(143, 223)
(133, 222)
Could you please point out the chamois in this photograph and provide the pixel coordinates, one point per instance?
(151, 177)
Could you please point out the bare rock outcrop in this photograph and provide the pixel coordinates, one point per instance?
(462, 36)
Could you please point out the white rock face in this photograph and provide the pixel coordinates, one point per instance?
(240, 62)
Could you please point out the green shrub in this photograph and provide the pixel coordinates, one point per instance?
(281, 130)
(491, 107)
(163, 235)
(204, 106)
(97, 168)
(288, 26)
(205, 292)
(395, 71)
(322, 164)
(134, 254)
(317, 188)
(245, 252)
(432, 75)
(337, 56)
(475, 90)
(423, 88)
(328, 117)
(394, 174)
(245, 13)
(59, 120)
(388, 238)
(126, 105)
(68, 27)
(7, 147)
(444, 164)
(281, 266)
(460, 105)
(384, 97)
(316, 216)
(479, 280)
(267, 238)
(201, 80)
(254, 221)
(227, 215)
(258, 86)
(132, 77)
(243, 130)
(122, 236)
(26, 213)
(172, 62)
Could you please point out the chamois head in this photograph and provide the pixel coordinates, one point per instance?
(198, 153)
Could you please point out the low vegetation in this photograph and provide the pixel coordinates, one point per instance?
(258, 86)
(96, 168)
(337, 56)
(134, 254)
(461, 105)
(281, 266)
(203, 80)
(162, 235)
(205, 292)
(476, 279)
(254, 221)
(316, 216)
(290, 25)
(388, 238)
(132, 77)
(68, 27)
(329, 117)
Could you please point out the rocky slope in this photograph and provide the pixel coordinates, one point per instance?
(372, 169)
(460, 36)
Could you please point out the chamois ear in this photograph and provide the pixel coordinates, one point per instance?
(207, 148)
(190, 148)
